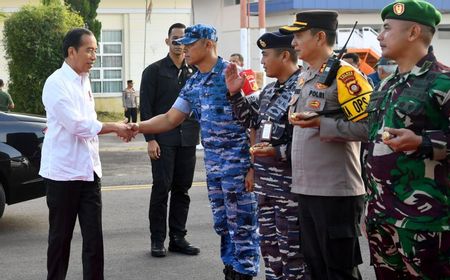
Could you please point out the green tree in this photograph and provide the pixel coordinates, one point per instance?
(33, 43)
(88, 10)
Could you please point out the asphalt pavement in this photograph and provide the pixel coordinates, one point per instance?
(125, 193)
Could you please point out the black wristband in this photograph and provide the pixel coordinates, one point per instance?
(425, 149)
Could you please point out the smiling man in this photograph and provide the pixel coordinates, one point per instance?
(70, 163)
(408, 153)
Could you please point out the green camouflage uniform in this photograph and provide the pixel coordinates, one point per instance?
(408, 196)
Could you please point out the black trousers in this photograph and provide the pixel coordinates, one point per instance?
(66, 201)
(131, 113)
(329, 235)
(173, 172)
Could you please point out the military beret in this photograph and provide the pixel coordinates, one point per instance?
(323, 19)
(412, 10)
(274, 40)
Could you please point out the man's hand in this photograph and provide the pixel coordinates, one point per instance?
(304, 120)
(233, 80)
(153, 149)
(403, 140)
(124, 131)
(263, 149)
(250, 180)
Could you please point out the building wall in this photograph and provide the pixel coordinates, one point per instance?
(129, 17)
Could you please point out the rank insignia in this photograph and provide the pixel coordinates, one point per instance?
(398, 8)
(301, 82)
(314, 104)
(320, 86)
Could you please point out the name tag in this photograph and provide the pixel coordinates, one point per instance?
(267, 132)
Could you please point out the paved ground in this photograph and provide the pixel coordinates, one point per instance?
(126, 191)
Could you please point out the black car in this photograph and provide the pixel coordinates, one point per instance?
(21, 138)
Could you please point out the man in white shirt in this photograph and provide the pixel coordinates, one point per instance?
(70, 161)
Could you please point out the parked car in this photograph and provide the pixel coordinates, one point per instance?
(21, 138)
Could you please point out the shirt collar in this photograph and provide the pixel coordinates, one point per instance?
(424, 65)
(220, 65)
(71, 74)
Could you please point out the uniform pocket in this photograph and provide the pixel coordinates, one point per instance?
(343, 246)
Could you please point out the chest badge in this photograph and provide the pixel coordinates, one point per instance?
(320, 86)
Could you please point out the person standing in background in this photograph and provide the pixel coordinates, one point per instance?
(130, 102)
(172, 153)
(6, 102)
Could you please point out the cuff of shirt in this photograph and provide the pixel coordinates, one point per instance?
(182, 105)
(96, 127)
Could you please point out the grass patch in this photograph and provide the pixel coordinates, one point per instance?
(110, 116)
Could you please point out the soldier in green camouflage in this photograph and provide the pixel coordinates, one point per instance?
(408, 152)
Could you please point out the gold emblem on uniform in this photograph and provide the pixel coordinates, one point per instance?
(349, 79)
(262, 43)
(314, 104)
(301, 82)
(399, 8)
(320, 86)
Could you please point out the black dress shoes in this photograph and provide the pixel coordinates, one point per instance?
(180, 245)
(158, 249)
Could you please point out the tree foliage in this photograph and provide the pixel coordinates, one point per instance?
(88, 10)
(33, 43)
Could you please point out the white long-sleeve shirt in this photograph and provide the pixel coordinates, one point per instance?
(70, 150)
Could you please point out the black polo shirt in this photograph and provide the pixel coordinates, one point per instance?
(160, 85)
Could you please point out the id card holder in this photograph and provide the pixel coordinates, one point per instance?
(267, 131)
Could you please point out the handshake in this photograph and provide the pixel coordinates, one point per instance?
(124, 130)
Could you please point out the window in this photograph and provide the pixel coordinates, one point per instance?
(444, 33)
(106, 75)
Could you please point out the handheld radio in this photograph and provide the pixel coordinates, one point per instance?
(332, 66)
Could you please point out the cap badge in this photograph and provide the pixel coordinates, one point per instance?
(399, 9)
(262, 43)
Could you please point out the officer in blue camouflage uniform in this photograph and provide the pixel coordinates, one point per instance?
(278, 207)
(408, 215)
(227, 158)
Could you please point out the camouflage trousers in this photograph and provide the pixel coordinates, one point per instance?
(280, 238)
(398, 253)
(234, 211)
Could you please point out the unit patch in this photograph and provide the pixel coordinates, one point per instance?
(399, 8)
(349, 80)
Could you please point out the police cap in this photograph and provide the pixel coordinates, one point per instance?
(412, 10)
(274, 40)
(323, 19)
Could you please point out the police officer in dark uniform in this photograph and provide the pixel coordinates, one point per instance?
(278, 207)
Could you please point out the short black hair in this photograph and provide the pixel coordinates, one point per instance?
(175, 25)
(330, 34)
(73, 39)
(240, 57)
(292, 54)
(129, 81)
(1, 83)
(352, 56)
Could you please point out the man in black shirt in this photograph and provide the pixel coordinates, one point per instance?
(172, 153)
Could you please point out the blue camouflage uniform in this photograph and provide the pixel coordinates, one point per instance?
(227, 161)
